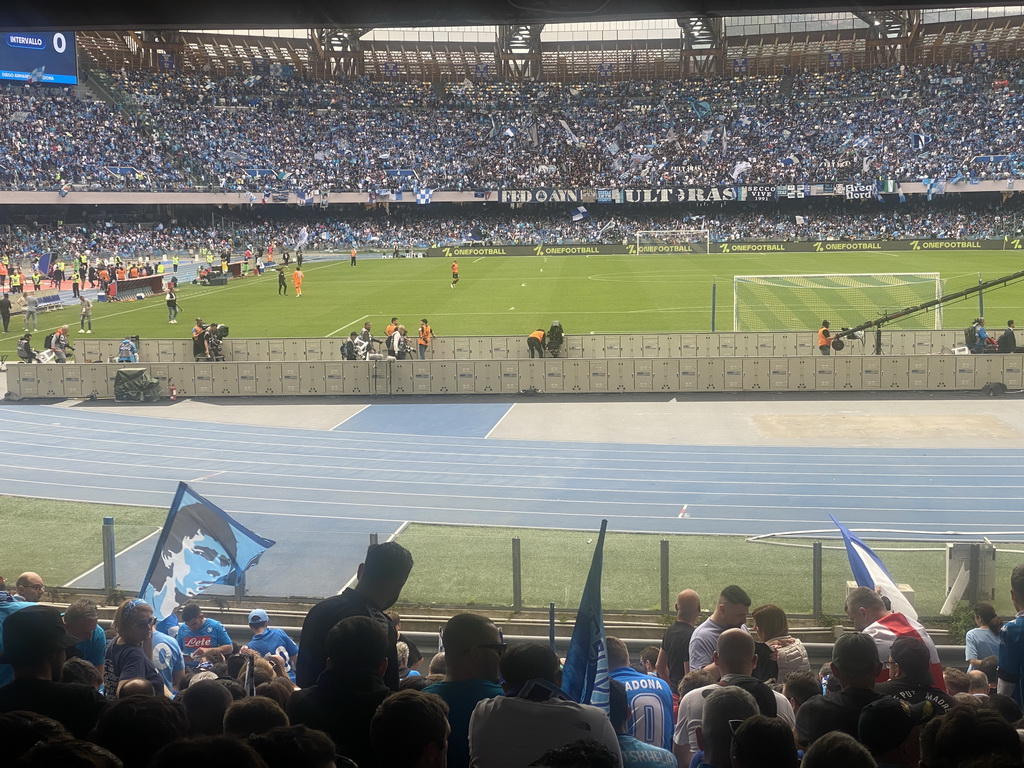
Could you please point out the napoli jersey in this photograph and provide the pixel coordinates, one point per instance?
(1011, 655)
(167, 658)
(211, 635)
(650, 702)
(276, 641)
(94, 648)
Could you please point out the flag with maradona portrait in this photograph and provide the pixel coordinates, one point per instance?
(200, 546)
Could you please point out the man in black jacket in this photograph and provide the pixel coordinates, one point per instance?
(380, 581)
(349, 690)
(35, 640)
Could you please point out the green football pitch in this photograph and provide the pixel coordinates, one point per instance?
(511, 296)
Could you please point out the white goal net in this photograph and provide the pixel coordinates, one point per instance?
(801, 302)
(672, 241)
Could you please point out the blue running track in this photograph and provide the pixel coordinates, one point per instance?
(320, 493)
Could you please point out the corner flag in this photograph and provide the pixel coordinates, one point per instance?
(869, 571)
(585, 676)
(200, 546)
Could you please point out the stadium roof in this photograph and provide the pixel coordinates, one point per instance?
(234, 14)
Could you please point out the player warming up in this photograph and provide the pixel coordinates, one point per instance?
(455, 273)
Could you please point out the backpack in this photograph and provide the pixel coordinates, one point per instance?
(971, 336)
(48, 341)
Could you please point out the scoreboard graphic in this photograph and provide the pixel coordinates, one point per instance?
(39, 57)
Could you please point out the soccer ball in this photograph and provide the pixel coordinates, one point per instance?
(140, 296)
(524, 285)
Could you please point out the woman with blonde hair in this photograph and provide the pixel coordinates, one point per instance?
(130, 655)
(773, 629)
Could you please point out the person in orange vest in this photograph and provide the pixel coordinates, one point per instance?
(535, 341)
(352, 257)
(391, 328)
(3, 275)
(426, 334)
(297, 282)
(455, 273)
(824, 339)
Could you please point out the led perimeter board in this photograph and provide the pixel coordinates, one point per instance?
(41, 57)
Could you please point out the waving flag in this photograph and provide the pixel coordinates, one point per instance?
(869, 571)
(199, 547)
(423, 195)
(585, 676)
(579, 214)
(36, 75)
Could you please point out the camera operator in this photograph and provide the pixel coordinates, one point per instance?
(212, 342)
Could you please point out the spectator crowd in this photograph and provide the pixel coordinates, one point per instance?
(415, 228)
(172, 131)
(357, 692)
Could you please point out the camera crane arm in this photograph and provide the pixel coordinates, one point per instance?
(878, 322)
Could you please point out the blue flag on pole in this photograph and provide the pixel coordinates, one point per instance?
(199, 547)
(585, 676)
(869, 571)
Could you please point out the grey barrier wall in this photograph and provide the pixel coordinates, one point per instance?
(580, 347)
(441, 377)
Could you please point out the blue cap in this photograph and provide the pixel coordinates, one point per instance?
(259, 616)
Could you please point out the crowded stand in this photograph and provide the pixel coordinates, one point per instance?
(50, 137)
(734, 690)
(258, 132)
(411, 229)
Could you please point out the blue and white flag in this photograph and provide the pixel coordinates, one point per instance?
(199, 547)
(739, 169)
(423, 195)
(585, 675)
(572, 137)
(579, 214)
(919, 141)
(64, 190)
(869, 571)
(252, 199)
(510, 133)
(36, 75)
(303, 237)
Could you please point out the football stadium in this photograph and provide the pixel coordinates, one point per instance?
(618, 348)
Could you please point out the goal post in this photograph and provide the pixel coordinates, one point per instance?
(801, 302)
(672, 241)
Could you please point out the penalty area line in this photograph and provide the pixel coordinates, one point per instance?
(349, 325)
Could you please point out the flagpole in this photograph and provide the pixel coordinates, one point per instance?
(551, 626)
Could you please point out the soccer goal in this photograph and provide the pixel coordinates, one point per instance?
(673, 241)
(801, 302)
